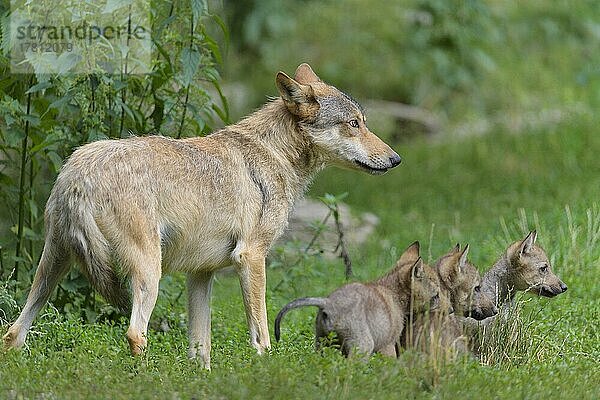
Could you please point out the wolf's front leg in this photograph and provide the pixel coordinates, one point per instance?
(251, 270)
(199, 290)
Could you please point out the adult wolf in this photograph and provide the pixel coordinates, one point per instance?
(129, 210)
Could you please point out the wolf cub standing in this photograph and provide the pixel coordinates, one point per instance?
(196, 205)
(369, 317)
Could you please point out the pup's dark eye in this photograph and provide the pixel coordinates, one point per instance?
(353, 123)
(544, 268)
(477, 289)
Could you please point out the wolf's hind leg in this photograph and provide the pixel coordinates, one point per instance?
(359, 344)
(199, 290)
(53, 266)
(389, 350)
(145, 271)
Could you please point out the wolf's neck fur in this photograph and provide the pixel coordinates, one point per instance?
(393, 281)
(497, 281)
(274, 129)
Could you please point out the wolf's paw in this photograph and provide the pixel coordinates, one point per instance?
(11, 340)
(200, 354)
(137, 347)
(137, 343)
(201, 359)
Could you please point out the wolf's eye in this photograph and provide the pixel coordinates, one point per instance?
(353, 123)
(544, 268)
(476, 289)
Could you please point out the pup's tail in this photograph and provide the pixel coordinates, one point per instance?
(303, 302)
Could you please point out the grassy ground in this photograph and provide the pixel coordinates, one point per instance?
(483, 191)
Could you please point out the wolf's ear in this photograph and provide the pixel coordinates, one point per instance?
(462, 261)
(410, 255)
(417, 270)
(451, 267)
(298, 98)
(305, 74)
(528, 242)
(456, 248)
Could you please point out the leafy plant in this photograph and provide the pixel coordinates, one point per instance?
(43, 117)
(298, 257)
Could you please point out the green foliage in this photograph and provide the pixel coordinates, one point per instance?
(421, 45)
(295, 257)
(460, 59)
(8, 305)
(43, 117)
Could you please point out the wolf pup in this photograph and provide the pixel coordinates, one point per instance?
(523, 267)
(460, 283)
(130, 210)
(369, 317)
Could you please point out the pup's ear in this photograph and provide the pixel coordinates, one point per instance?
(527, 243)
(298, 98)
(447, 270)
(305, 74)
(410, 255)
(417, 270)
(456, 248)
(452, 265)
(462, 261)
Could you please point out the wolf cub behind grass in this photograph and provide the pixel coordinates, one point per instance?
(368, 318)
(523, 267)
(441, 331)
(434, 310)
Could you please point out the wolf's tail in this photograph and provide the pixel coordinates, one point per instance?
(94, 254)
(72, 212)
(303, 302)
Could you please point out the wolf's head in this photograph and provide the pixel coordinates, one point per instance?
(530, 268)
(334, 122)
(424, 286)
(463, 283)
(409, 258)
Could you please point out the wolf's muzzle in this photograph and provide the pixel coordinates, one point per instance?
(395, 160)
(563, 287)
(548, 291)
(481, 313)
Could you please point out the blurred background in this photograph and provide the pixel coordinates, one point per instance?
(463, 67)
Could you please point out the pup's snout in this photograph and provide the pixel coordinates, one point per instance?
(482, 313)
(563, 287)
(395, 160)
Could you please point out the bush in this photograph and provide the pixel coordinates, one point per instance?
(43, 117)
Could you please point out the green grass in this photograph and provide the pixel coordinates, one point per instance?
(483, 191)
